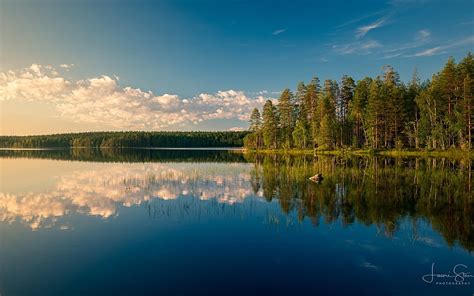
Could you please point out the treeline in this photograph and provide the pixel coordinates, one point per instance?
(374, 113)
(126, 139)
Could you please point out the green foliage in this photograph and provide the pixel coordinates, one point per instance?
(379, 113)
(300, 138)
(357, 111)
(286, 118)
(126, 139)
(313, 92)
(255, 120)
(343, 106)
(270, 124)
(250, 141)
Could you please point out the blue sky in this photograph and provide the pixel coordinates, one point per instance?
(187, 48)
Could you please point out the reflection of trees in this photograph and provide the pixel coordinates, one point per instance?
(128, 155)
(377, 191)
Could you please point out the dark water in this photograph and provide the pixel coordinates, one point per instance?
(141, 222)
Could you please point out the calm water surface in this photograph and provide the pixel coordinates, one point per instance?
(164, 222)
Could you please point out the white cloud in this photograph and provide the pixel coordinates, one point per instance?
(360, 18)
(36, 69)
(402, 2)
(66, 66)
(444, 48)
(391, 56)
(421, 38)
(423, 35)
(362, 31)
(167, 100)
(357, 47)
(428, 52)
(101, 101)
(465, 41)
(279, 31)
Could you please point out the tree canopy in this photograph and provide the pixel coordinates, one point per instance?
(375, 113)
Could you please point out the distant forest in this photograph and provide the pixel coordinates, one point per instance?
(127, 139)
(372, 113)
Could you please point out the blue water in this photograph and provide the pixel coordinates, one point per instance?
(89, 228)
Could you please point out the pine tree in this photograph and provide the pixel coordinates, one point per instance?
(411, 111)
(255, 120)
(302, 112)
(326, 135)
(313, 90)
(344, 100)
(300, 138)
(255, 139)
(449, 88)
(432, 115)
(464, 110)
(392, 113)
(357, 110)
(269, 126)
(468, 103)
(285, 112)
(378, 113)
(300, 106)
(374, 113)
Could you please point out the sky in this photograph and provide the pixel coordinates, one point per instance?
(70, 66)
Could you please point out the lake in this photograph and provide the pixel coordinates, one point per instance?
(199, 222)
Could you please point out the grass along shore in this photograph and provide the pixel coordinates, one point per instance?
(451, 153)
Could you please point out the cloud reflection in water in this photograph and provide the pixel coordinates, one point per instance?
(100, 190)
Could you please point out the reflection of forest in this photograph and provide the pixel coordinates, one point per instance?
(379, 191)
(128, 155)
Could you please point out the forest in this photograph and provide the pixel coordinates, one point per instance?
(126, 139)
(372, 113)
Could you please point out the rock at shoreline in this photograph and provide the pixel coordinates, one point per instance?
(316, 178)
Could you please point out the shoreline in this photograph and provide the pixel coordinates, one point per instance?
(455, 153)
